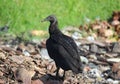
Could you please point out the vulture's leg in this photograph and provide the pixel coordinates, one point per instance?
(57, 72)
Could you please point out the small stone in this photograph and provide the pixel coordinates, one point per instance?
(92, 56)
(44, 54)
(94, 73)
(86, 47)
(84, 59)
(92, 66)
(110, 81)
(76, 35)
(115, 22)
(26, 53)
(94, 48)
(77, 43)
(116, 82)
(114, 59)
(116, 48)
(90, 38)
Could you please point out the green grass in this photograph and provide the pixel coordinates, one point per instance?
(25, 15)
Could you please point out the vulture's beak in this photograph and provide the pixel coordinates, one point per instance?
(44, 20)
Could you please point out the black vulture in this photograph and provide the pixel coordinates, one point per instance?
(62, 49)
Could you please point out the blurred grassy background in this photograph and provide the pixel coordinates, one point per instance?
(25, 15)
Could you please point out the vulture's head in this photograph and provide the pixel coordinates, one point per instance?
(50, 18)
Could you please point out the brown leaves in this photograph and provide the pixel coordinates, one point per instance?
(116, 71)
(116, 15)
(116, 67)
(108, 30)
(22, 75)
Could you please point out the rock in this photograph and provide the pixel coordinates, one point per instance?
(76, 35)
(94, 73)
(94, 48)
(111, 81)
(86, 47)
(90, 38)
(84, 59)
(44, 54)
(111, 55)
(93, 66)
(93, 57)
(116, 48)
(35, 40)
(61, 72)
(116, 82)
(26, 53)
(77, 43)
(115, 22)
(114, 59)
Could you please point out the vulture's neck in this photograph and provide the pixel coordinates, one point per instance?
(53, 28)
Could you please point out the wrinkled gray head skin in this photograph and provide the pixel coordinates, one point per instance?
(50, 18)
